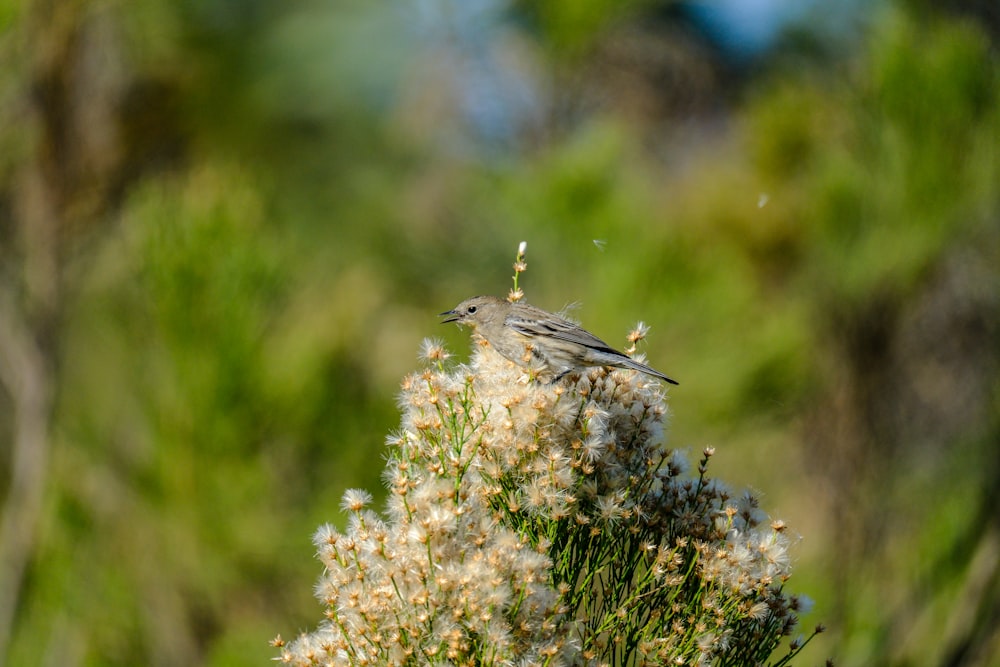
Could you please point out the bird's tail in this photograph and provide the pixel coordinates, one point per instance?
(628, 362)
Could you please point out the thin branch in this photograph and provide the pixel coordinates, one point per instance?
(24, 374)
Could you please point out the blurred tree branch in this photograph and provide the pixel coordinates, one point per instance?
(26, 375)
(88, 138)
(29, 304)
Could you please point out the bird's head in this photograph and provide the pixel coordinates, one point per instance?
(475, 311)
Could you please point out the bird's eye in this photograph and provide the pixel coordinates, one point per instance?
(472, 310)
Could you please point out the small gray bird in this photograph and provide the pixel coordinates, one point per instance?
(525, 334)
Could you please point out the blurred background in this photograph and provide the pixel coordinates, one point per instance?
(225, 227)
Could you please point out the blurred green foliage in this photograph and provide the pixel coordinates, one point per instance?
(817, 255)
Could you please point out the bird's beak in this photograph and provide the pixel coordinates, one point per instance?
(455, 316)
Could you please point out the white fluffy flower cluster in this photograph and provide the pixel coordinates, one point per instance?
(544, 524)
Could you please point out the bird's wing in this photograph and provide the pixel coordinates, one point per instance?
(558, 328)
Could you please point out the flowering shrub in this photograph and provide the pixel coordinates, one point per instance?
(546, 524)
